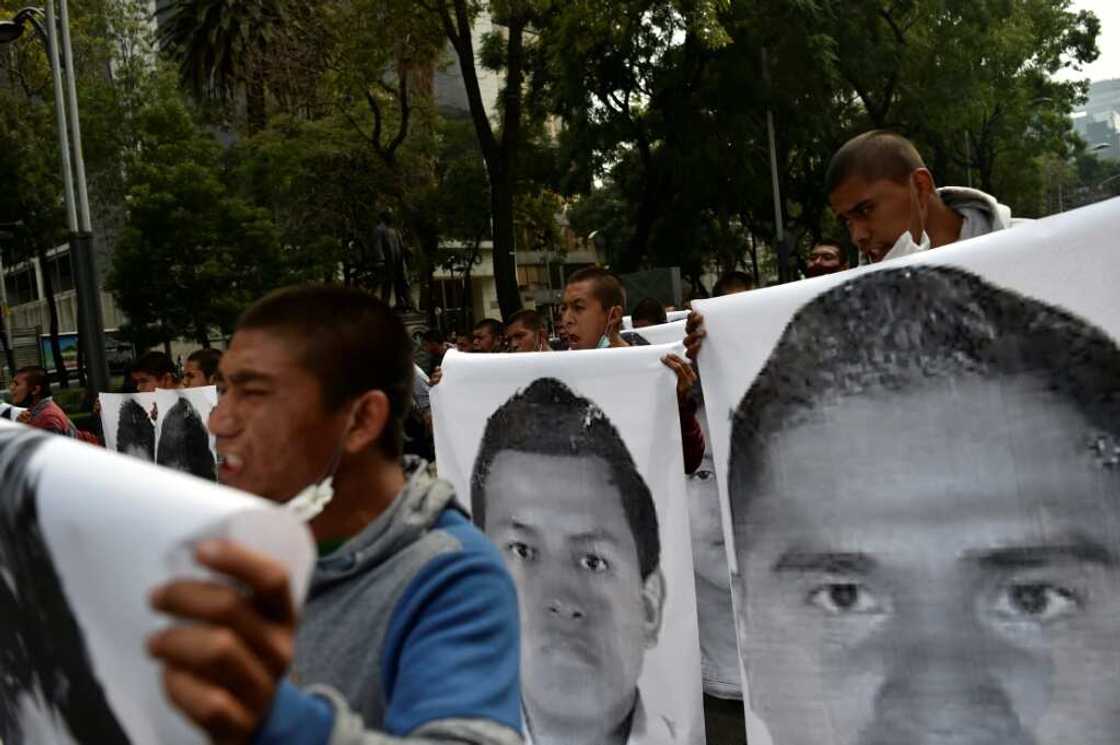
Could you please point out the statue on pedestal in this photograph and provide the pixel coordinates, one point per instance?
(389, 253)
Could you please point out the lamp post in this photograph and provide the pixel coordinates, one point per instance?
(90, 320)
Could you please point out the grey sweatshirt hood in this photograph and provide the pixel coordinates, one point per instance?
(982, 213)
(411, 514)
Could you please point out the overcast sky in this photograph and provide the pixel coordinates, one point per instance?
(1107, 65)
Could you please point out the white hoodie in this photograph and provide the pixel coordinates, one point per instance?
(982, 214)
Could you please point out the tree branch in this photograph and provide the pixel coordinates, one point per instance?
(375, 138)
(406, 112)
(459, 33)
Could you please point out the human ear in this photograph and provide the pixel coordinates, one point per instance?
(924, 186)
(614, 318)
(368, 421)
(653, 605)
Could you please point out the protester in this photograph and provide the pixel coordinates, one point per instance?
(826, 258)
(648, 312)
(410, 629)
(526, 332)
(464, 343)
(723, 693)
(880, 188)
(487, 336)
(31, 390)
(591, 313)
(153, 370)
(432, 349)
(201, 368)
(732, 282)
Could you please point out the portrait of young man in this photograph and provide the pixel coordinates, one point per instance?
(49, 689)
(927, 519)
(578, 529)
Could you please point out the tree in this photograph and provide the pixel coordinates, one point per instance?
(225, 46)
(673, 125)
(500, 147)
(192, 254)
(32, 172)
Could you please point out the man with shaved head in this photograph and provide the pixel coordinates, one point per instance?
(880, 189)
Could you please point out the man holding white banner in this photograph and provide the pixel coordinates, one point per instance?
(922, 473)
(410, 629)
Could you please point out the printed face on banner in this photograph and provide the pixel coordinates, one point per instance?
(573, 467)
(168, 427)
(48, 690)
(578, 529)
(184, 440)
(129, 423)
(74, 590)
(924, 485)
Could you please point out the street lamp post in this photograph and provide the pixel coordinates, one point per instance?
(91, 326)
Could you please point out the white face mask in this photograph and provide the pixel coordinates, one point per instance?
(309, 503)
(905, 245)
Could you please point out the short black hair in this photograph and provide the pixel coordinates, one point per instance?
(729, 281)
(433, 336)
(528, 318)
(184, 443)
(44, 647)
(154, 363)
(873, 156)
(493, 325)
(606, 286)
(895, 329)
(350, 340)
(649, 310)
(207, 361)
(37, 377)
(548, 418)
(136, 434)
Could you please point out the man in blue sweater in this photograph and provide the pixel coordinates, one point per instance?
(410, 632)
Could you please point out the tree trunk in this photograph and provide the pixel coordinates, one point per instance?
(754, 261)
(63, 377)
(649, 210)
(255, 105)
(9, 355)
(505, 243)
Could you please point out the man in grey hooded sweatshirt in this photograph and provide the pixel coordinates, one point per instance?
(410, 631)
(880, 189)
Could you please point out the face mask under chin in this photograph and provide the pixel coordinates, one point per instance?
(905, 245)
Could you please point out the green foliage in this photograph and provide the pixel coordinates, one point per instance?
(192, 254)
(664, 105)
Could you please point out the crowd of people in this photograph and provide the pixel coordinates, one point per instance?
(411, 625)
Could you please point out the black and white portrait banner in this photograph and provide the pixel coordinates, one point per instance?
(85, 536)
(919, 465)
(168, 427)
(572, 464)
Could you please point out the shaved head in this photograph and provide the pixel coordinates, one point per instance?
(874, 156)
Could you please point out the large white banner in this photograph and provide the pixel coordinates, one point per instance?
(169, 427)
(85, 536)
(572, 463)
(920, 470)
(9, 412)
